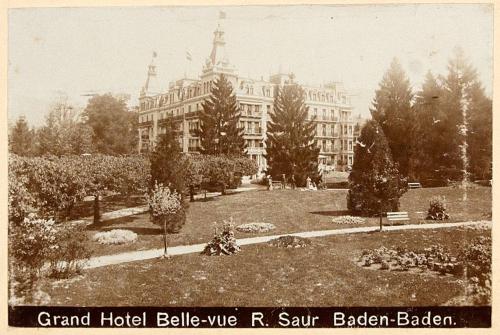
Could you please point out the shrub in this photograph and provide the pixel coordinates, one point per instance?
(255, 227)
(477, 259)
(347, 219)
(289, 241)
(223, 243)
(115, 236)
(437, 209)
(69, 255)
(35, 243)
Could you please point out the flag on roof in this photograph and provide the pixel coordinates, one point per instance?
(188, 55)
(222, 15)
(154, 54)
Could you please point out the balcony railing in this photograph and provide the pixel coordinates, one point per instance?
(253, 132)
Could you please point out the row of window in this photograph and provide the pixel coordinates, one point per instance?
(330, 97)
(334, 145)
(332, 116)
(333, 129)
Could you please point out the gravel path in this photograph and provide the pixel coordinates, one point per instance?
(99, 261)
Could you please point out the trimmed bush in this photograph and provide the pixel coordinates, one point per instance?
(437, 209)
(115, 236)
(375, 184)
(347, 219)
(255, 227)
(223, 243)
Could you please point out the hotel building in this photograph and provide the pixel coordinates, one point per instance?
(329, 105)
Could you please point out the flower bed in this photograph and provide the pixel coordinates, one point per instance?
(255, 227)
(115, 236)
(347, 219)
(473, 262)
(290, 242)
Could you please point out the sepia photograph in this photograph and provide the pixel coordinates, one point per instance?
(250, 166)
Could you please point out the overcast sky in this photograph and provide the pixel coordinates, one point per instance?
(80, 50)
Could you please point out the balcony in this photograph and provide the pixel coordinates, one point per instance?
(146, 123)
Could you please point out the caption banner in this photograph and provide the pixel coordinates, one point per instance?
(250, 317)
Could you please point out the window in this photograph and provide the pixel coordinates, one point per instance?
(324, 114)
(324, 130)
(350, 145)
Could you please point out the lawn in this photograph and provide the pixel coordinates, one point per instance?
(290, 211)
(322, 274)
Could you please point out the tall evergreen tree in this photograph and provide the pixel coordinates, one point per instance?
(463, 93)
(375, 184)
(392, 109)
(430, 142)
(480, 134)
(291, 148)
(21, 139)
(168, 167)
(219, 132)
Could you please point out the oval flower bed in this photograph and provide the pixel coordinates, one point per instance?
(347, 219)
(115, 236)
(255, 227)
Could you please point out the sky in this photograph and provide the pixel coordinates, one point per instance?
(74, 51)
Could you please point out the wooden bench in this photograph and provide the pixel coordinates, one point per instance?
(414, 185)
(397, 216)
(277, 185)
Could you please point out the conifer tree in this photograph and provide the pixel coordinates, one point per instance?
(430, 142)
(168, 167)
(219, 132)
(21, 139)
(375, 184)
(291, 148)
(463, 92)
(392, 109)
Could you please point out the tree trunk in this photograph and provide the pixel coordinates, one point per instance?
(97, 211)
(165, 237)
(191, 193)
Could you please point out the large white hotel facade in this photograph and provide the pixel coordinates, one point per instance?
(329, 105)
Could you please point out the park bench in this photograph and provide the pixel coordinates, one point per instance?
(277, 184)
(397, 216)
(414, 185)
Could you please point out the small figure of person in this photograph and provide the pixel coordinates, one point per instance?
(270, 183)
(293, 181)
(308, 183)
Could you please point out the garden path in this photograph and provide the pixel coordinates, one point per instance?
(124, 212)
(99, 261)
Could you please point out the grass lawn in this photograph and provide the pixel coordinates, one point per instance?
(290, 211)
(322, 274)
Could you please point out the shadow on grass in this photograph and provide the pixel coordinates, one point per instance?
(331, 213)
(104, 224)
